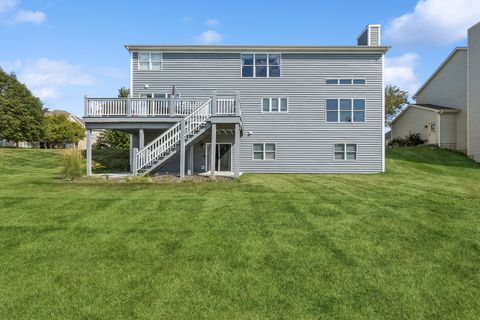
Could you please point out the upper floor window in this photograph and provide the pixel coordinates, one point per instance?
(345, 110)
(274, 105)
(149, 61)
(261, 65)
(345, 81)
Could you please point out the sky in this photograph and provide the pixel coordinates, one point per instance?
(63, 50)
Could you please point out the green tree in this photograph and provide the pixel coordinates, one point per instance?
(21, 113)
(113, 139)
(395, 100)
(60, 131)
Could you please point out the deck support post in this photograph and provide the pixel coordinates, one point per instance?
(213, 150)
(89, 152)
(141, 139)
(190, 160)
(214, 103)
(131, 153)
(134, 162)
(238, 111)
(182, 149)
(171, 105)
(236, 152)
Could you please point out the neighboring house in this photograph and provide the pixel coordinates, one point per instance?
(74, 118)
(265, 109)
(447, 108)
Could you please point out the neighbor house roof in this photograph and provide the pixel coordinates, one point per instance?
(430, 107)
(444, 63)
(246, 48)
(68, 114)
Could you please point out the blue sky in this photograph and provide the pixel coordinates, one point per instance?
(65, 49)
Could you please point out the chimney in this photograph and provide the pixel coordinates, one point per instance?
(370, 36)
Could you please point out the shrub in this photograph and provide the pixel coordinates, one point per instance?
(413, 139)
(72, 163)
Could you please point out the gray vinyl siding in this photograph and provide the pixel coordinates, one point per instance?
(304, 139)
(449, 89)
(374, 36)
(474, 92)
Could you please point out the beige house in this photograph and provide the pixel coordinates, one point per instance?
(447, 108)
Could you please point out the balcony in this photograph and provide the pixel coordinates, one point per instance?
(158, 107)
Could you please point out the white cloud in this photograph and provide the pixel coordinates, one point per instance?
(434, 22)
(212, 22)
(209, 37)
(27, 16)
(7, 5)
(400, 71)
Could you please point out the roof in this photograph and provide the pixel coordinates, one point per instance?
(68, 114)
(443, 64)
(430, 107)
(246, 48)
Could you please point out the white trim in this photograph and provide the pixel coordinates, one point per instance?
(468, 93)
(254, 66)
(131, 73)
(264, 152)
(442, 65)
(352, 112)
(270, 105)
(438, 130)
(383, 112)
(345, 152)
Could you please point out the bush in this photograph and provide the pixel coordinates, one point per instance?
(413, 139)
(72, 163)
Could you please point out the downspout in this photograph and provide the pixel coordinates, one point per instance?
(439, 131)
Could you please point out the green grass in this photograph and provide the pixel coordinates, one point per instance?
(400, 245)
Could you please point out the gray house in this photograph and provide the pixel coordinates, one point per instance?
(266, 109)
(447, 108)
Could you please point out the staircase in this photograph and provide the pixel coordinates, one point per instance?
(171, 141)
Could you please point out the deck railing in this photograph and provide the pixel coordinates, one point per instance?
(158, 107)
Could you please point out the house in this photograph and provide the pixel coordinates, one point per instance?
(227, 109)
(446, 111)
(76, 119)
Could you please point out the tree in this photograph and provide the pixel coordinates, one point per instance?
(60, 131)
(113, 139)
(21, 113)
(395, 100)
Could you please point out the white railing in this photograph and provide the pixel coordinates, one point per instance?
(167, 141)
(152, 107)
(225, 105)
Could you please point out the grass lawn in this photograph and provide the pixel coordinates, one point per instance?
(400, 245)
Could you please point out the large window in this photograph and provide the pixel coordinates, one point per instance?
(264, 151)
(345, 110)
(149, 61)
(261, 65)
(345, 151)
(345, 81)
(274, 105)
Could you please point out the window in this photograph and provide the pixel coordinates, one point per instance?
(345, 81)
(274, 105)
(149, 61)
(153, 95)
(345, 110)
(264, 151)
(345, 151)
(261, 65)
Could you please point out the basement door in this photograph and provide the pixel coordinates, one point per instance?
(223, 157)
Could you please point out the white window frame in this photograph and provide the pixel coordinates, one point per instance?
(352, 112)
(149, 60)
(264, 151)
(270, 105)
(344, 84)
(345, 152)
(254, 66)
(152, 95)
